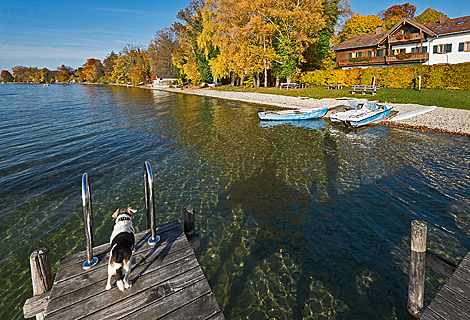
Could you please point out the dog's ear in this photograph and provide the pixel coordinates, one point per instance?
(129, 210)
(116, 214)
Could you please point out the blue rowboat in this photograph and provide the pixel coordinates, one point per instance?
(305, 114)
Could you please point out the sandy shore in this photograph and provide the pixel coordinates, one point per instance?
(447, 120)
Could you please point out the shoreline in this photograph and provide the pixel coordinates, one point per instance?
(445, 120)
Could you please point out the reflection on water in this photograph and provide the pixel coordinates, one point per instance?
(298, 220)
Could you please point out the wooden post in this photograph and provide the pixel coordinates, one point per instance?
(41, 274)
(190, 226)
(417, 268)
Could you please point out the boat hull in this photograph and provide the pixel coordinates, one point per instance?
(296, 115)
(359, 122)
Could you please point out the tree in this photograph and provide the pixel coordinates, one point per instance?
(25, 74)
(6, 76)
(358, 24)
(160, 51)
(93, 70)
(429, 15)
(63, 73)
(108, 63)
(395, 13)
(188, 55)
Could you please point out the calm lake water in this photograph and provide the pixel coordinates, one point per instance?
(297, 221)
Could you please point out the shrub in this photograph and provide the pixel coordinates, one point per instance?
(432, 77)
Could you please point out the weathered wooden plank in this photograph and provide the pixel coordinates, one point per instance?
(218, 316)
(79, 257)
(36, 304)
(104, 305)
(440, 264)
(136, 306)
(165, 305)
(465, 263)
(180, 261)
(201, 308)
(455, 298)
(168, 238)
(458, 285)
(447, 310)
(463, 274)
(431, 315)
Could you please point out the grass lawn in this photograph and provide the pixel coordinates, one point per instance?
(459, 99)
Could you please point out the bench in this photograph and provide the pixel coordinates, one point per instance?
(364, 88)
(288, 85)
(335, 86)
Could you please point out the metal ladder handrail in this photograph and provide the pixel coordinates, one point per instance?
(150, 203)
(88, 219)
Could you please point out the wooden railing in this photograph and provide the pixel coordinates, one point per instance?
(411, 37)
(408, 58)
(395, 59)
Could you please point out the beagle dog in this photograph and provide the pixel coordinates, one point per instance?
(122, 244)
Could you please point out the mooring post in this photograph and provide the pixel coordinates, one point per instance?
(41, 274)
(88, 218)
(190, 226)
(149, 203)
(417, 268)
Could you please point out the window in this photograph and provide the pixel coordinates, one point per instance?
(464, 46)
(369, 53)
(349, 55)
(359, 54)
(461, 21)
(442, 48)
(380, 53)
(414, 50)
(425, 49)
(401, 50)
(393, 52)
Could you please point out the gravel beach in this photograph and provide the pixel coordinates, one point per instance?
(447, 120)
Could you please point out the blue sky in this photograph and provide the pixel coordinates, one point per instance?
(51, 33)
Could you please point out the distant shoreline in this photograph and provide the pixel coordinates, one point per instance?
(446, 120)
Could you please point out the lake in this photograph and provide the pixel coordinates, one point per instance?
(301, 220)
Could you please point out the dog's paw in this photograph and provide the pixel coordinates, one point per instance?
(127, 284)
(108, 286)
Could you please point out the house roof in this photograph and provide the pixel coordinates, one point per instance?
(456, 25)
(360, 41)
(461, 24)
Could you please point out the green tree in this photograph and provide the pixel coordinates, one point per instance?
(429, 15)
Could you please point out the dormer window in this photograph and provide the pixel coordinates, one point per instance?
(440, 25)
(461, 21)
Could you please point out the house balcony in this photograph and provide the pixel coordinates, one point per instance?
(410, 37)
(385, 60)
(420, 57)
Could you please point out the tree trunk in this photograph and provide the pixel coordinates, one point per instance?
(232, 83)
(242, 80)
(277, 82)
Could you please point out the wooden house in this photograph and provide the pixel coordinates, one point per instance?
(408, 42)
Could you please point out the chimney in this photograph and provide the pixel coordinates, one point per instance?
(442, 19)
(378, 30)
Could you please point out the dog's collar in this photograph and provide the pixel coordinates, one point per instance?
(123, 217)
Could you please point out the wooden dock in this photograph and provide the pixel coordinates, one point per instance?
(167, 283)
(453, 300)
